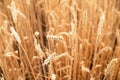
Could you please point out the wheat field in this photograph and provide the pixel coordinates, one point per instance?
(59, 39)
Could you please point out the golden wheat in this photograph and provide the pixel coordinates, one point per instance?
(59, 39)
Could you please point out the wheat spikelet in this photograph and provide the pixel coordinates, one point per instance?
(37, 33)
(73, 15)
(11, 54)
(98, 37)
(55, 37)
(15, 11)
(100, 26)
(111, 67)
(53, 77)
(103, 49)
(85, 69)
(15, 34)
(49, 58)
(101, 22)
(4, 27)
